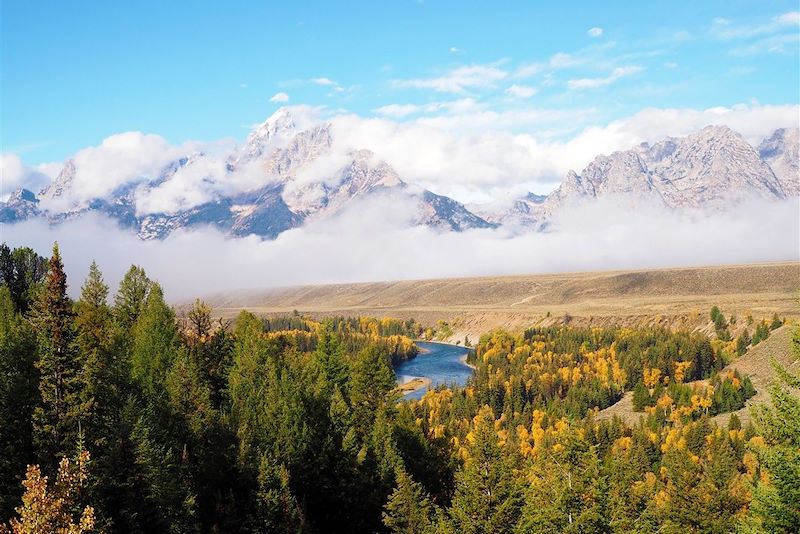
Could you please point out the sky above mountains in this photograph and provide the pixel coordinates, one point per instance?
(76, 73)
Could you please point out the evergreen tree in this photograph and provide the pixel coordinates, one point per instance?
(22, 271)
(485, 499)
(155, 343)
(641, 397)
(277, 509)
(371, 381)
(776, 500)
(106, 386)
(19, 394)
(408, 510)
(60, 384)
(743, 342)
(130, 297)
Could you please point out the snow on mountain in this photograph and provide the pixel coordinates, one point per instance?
(781, 151)
(286, 173)
(709, 168)
(273, 133)
(20, 205)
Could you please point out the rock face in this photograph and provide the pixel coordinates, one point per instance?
(292, 176)
(714, 167)
(287, 173)
(21, 204)
(781, 151)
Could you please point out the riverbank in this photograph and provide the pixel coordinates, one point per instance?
(437, 364)
(413, 385)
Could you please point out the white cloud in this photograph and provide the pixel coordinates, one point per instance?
(461, 148)
(592, 83)
(774, 44)
(279, 98)
(323, 81)
(120, 159)
(456, 50)
(521, 91)
(563, 60)
(381, 246)
(594, 32)
(458, 80)
(725, 29)
(14, 174)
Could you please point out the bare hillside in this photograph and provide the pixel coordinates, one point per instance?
(474, 305)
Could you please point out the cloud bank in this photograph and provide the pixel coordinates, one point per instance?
(373, 241)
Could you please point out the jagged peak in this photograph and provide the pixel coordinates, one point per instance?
(281, 120)
(22, 195)
(62, 181)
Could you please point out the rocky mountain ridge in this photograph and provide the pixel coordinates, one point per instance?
(286, 174)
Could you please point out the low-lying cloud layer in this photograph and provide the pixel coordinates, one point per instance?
(374, 241)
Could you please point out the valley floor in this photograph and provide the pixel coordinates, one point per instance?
(678, 297)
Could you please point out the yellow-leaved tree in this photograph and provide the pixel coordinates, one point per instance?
(50, 509)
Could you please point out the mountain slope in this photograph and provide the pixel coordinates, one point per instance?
(712, 168)
(781, 151)
(287, 172)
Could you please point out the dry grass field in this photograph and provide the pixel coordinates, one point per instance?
(674, 297)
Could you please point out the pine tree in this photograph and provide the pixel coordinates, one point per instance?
(408, 510)
(107, 385)
(485, 499)
(130, 297)
(276, 508)
(155, 343)
(776, 503)
(641, 397)
(22, 271)
(96, 343)
(19, 394)
(742, 342)
(371, 381)
(60, 383)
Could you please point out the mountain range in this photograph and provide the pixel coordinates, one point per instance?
(291, 178)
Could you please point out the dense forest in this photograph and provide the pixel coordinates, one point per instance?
(122, 415)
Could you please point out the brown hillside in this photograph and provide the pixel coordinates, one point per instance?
(677, 297)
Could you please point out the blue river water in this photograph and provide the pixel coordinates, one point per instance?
(442, 363)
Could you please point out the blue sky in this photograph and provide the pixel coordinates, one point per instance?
(74, 73)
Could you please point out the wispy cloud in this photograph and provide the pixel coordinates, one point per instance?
(741, 70)
(279, 98)
(398, 111)
(458, 80)
(456, 50)
(774, 44)
(726, 29)
(594, 32)
(521, 91)
(592, 83)
(323, 81)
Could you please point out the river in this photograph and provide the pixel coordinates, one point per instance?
(440, 362)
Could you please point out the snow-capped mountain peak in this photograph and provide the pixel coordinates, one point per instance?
(275, 132)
